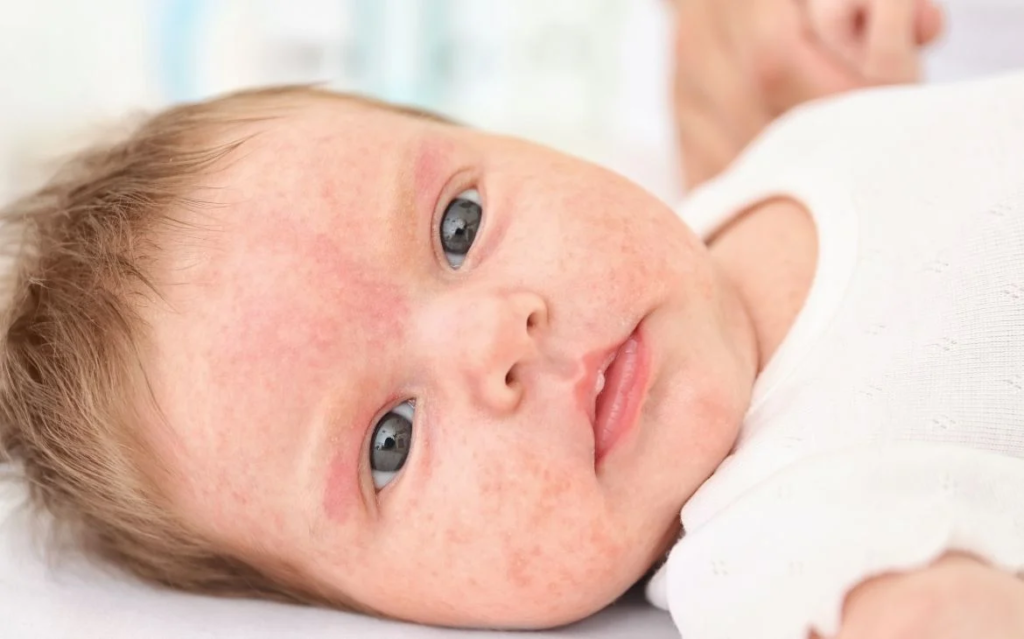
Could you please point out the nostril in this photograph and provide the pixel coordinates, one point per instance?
(510, 378)
(532, 321)
(860, 22)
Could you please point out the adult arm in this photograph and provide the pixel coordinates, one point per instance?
(957, 597)
(739, 64)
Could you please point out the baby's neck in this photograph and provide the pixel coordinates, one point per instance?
(770, 254)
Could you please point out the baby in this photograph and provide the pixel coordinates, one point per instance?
(315, 348)
(323, 348)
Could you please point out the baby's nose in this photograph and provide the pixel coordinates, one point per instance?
(486, 339)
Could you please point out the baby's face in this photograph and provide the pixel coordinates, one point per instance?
(359, 387)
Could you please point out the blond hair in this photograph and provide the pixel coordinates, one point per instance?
(72, 387)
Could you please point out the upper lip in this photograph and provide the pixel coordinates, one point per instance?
(594, 365)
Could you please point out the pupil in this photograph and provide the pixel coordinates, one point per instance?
(460, 225)
(391, 441)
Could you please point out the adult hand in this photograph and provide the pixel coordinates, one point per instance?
(742, 63)
(879, 39)
(956, 598)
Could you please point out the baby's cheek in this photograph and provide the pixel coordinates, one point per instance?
(528, 532)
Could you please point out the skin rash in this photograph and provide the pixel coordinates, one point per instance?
(322, 299)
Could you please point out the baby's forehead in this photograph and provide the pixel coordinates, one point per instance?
(323, 130)
(344, 145)
(321, 166)
(322, 150)
(318, 168)
(356, 119)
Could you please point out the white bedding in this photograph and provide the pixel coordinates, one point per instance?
(74, 599)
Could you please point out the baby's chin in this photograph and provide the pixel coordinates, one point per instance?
(595, 595)
(561, 610)
(560, 602)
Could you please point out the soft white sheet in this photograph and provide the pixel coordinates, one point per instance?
(73, 599)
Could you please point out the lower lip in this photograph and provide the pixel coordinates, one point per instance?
(619, 403)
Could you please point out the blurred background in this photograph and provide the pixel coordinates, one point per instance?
(587, 76)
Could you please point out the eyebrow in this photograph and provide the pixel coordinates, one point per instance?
(335, 478)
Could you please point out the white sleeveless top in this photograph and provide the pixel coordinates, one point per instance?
(888, 428)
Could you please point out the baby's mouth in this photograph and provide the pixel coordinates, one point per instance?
(623, 389)
(612, 389)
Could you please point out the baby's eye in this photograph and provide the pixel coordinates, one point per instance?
(389, 448)
(459, 224)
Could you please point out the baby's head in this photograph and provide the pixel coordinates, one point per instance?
(298, 345)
